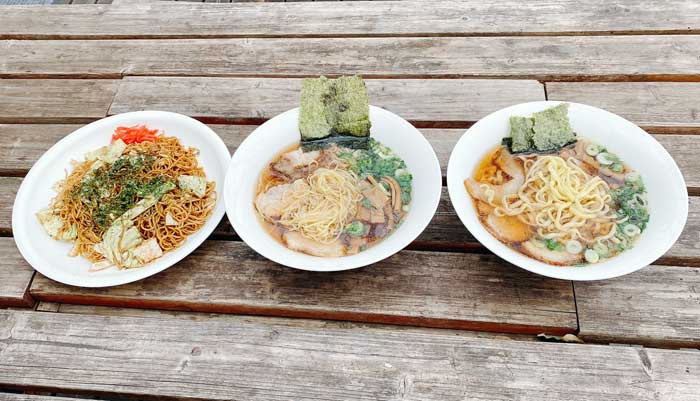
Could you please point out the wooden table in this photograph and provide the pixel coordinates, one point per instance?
(443, 319)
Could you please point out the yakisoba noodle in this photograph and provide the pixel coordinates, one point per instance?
(320, 206)
(169, 160)
(560, 199)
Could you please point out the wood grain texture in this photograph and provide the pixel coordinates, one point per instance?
(256, 99)
(15, 276)
(8, 191)
(671, 57)
(657, 106)
(431, 289)
(50, 100)
(32, 397)
(656, 305)
(223, 359)
(200, 316)
(384, 18)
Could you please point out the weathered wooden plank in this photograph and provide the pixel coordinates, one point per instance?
(194, 359)
(46, 100)
(386, 18)
(660, 57)
(8, 191)
(658, 106)
(255, 99)
(32, 397)
(15, 276)
(431, 289)
(23, 144)
(687, 247)
(656, 305)
(160, 313)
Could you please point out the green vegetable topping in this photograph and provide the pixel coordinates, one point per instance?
(631, 203)
(111, 190)
(553, 245)
(380, 161)
(356, 229)
(617, 167)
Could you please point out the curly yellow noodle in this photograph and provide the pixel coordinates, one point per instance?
(562, 201)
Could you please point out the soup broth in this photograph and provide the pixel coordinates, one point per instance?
(334, 201)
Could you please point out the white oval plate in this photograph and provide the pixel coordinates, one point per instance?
(667, 193)
(50, 257)
(281, 132)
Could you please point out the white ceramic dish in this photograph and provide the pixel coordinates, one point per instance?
(281, 132)
(667, 193)
(50, 257)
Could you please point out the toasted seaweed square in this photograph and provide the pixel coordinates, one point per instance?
(315, 94)
(520, 134)
(349, 112)
(551, 128)
(334, 107)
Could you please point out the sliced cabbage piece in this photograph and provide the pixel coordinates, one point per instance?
(53, 225)
(121, 239)
(148, 251)
(101, 265)
(193, 184)
(108, 154)
(170, 220)
(150, 200)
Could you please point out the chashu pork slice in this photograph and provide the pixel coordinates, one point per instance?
(298, 242)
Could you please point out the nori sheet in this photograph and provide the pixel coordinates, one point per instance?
(521, 133)
(334, 111)
(551, 128)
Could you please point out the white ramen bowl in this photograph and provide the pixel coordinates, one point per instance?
(280, 133)
(666, 190)
(49, 256)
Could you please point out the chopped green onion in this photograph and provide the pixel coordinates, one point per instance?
(606, 158)
(632, 177)
(573, 247)
(617, 167)
(591, 256)
(601, 249)
(592, 149)
(631, 230)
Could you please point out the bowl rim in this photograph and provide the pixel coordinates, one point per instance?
(525, 262)
(321, 264)
(22, 236)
